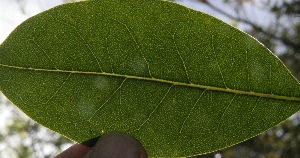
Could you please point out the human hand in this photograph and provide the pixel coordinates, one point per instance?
(111, 145)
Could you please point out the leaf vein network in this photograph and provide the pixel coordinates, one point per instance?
(160, 102)
(59, 88)
(190, 112)
(224, 113)
(84, 41)
(43, 50)
(137, 45)
(108, 99)
(216, 59)
(183, 63)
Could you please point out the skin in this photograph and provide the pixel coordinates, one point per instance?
(111, 145)
(75, 151)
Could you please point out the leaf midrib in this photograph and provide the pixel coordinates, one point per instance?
(227, 90)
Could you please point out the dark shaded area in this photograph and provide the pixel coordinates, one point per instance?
(91, 142)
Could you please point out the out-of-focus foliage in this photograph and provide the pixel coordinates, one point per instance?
(23, 138)
(284, 33)
(71, 1)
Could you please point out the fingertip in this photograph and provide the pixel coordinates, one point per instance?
(118, 145)
(75, 151)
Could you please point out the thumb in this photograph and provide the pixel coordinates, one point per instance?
(117, 145)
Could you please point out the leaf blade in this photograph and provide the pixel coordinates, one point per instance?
(101, 73)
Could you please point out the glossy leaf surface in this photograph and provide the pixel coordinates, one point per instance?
(180, 81)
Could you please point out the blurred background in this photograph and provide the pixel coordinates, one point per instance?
(275, 23)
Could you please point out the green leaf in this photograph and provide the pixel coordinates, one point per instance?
(180, 81)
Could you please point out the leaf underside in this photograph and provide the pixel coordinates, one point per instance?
(180, 81)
